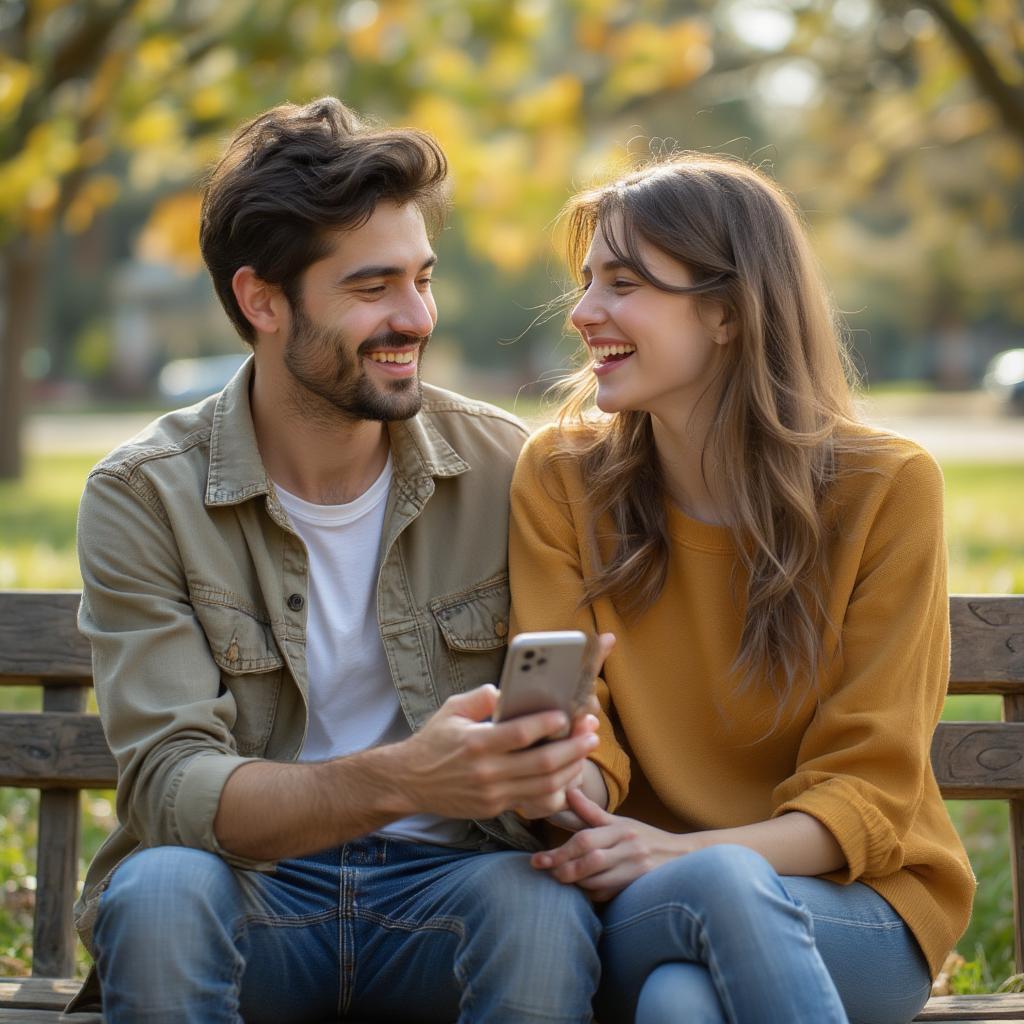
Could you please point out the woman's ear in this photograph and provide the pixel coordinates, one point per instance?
(723, 323)
(261, 303)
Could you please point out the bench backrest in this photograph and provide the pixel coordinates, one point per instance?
(62, 750)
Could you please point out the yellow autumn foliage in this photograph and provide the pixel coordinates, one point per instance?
(15, 80)
(556, 101)
(171, 235)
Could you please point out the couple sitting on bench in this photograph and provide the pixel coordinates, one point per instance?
(299, 593)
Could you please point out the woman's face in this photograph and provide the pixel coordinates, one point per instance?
(652, 350)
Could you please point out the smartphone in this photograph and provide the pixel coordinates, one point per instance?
(547, 671)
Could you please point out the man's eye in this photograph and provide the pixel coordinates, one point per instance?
(424, 282)
(376, 289)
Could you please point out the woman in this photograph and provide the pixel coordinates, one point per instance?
(774, 572)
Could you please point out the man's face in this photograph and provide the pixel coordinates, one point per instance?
(365, 316)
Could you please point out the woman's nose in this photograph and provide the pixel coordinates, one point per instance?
(586, 312)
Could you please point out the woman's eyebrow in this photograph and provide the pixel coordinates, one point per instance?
(609, 266)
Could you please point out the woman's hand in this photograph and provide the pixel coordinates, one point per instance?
(609, 853)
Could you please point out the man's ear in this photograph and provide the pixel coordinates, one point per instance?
(262, 304)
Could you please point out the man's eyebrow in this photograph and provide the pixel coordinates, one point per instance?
(364, 273)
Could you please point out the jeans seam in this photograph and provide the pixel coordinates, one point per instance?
(882, 926)
(644, 914)
(346, 938)
(268, 921)
(451, 924)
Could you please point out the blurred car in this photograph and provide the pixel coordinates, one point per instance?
(1004, 378)
(184, 381)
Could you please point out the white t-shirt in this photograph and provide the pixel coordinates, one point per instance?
(353, 703)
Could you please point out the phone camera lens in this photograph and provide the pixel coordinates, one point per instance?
(524, 668)
(529, 654)
(542, 661)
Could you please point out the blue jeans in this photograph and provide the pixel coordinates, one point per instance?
(375, 929)
(718, 936)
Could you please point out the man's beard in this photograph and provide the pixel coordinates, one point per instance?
(318, 360)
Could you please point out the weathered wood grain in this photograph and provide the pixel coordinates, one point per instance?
(1013, 711)
(1005, 1006)
(22, 1016)
(53, 941)
(39, 637)
(37, 993)
(988, 643)
(53, 749)
(979, 760)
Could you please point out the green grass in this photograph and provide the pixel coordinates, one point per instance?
(986, 542)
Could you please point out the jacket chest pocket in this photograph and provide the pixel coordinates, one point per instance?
(473, 627)
(251, 667)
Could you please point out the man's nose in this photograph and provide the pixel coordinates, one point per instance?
(415, 317)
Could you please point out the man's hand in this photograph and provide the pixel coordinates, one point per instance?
(461, 765)
(609, 853)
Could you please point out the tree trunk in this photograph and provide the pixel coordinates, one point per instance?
(22, 268)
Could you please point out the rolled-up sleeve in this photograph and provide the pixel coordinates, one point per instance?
(864, 760)
(166, 716)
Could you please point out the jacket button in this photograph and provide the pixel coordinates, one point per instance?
(295, 602)
(500, 628)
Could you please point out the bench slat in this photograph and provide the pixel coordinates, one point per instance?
(47, 750)
(988, 642)
(37, 993)
(39, 637)
(1005, 1006)
(979, 760)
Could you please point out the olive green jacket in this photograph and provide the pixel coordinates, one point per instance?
(195, 604)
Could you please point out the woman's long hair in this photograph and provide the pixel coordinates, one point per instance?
(783, 396)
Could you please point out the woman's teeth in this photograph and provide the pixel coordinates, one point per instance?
(602, 353)
(393, 357)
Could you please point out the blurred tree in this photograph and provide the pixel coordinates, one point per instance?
(102, 96)
(105, 101)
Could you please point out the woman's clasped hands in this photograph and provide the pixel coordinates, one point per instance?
(609, 851)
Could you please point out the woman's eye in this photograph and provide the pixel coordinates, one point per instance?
(621, 282)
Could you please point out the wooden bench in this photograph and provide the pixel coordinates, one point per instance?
(61, 750)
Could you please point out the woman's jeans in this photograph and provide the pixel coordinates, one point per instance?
(718, 936)
(378, 929)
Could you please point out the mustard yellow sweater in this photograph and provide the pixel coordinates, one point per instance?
(684, 749)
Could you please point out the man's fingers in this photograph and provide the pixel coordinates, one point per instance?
(522, 732)
(585, 723)
(477, 705)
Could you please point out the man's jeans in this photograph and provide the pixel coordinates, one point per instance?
(718, 936)
(375, 929)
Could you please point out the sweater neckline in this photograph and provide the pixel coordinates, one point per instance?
(695, 533)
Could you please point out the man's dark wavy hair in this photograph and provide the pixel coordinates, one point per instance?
(294, 175)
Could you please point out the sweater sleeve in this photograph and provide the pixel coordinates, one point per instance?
(864, 760)
(546, 580)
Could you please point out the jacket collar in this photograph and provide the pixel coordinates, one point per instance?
(236, 470)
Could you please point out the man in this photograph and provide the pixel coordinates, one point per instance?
(296, 594)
